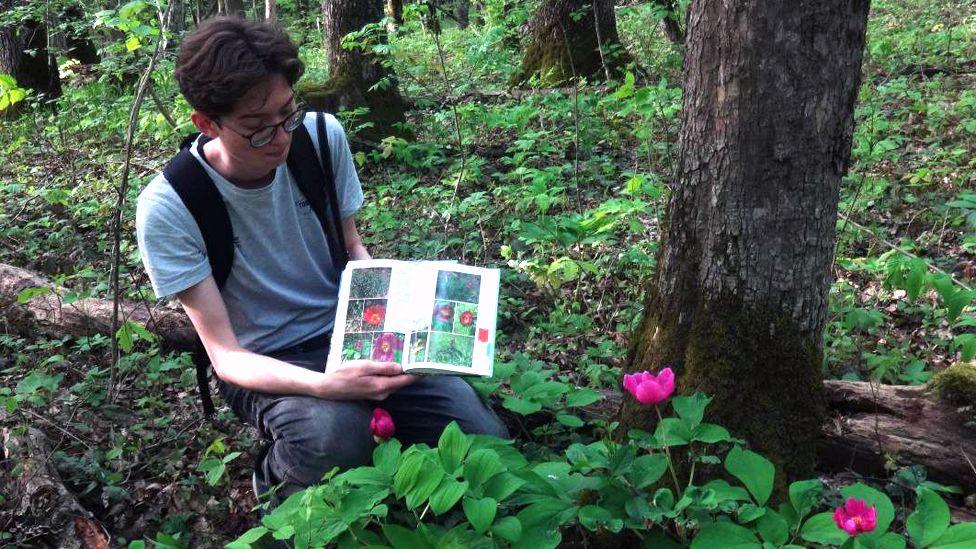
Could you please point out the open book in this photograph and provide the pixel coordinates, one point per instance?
(431, 317)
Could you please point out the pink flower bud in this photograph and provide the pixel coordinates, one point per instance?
(381, 425)
(855, 517)
(648, 388)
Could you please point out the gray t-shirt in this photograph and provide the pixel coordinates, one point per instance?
(281, 287)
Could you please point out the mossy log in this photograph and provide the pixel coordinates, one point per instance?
(47, 313)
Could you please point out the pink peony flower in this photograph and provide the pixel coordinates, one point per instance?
(381, 425)
(855, 517)
(648, 388)
(385, 345)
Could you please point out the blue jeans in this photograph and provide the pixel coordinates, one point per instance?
(309, 436)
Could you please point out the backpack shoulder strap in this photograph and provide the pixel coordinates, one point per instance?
(203, 200)
(318, 186)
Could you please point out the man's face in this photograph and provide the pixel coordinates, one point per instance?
(263, 106)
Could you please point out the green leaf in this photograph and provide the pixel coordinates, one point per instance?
(773, 527)
(821, 528)
(409, 471)
(402, 538)
(247, 539)
(960, 536)
(582, 397)
(446, 495)
(546, 514)
(386, 455)
(672, 432)
(647, 470)
(503, 485)
(710, 433)
(429, 478)
(569, 420)
(915, 278)
(508, 528)
(804, 495)
(480, 466)
(755, 472)
(886, 511)
(28, 294)
(132, 43)
(520, 406)
(480, 512)
(691, 409)
(452, 447)
(888, 540)
(725, 535)
(930, 519)
(592, 517)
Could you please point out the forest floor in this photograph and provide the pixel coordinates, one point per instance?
(562, 188)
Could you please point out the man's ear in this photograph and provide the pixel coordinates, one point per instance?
(207, 126)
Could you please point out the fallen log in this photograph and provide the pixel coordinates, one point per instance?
(49, 515)
(48, 313)
(872, 425)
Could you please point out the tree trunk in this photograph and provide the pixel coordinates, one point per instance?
(670, 23)
(176, 22)
(352, 72)
(738, 303)
(461, 10)
(394, 11)
(24, 55)
(270, 10)
(560, 47)
(231, 8)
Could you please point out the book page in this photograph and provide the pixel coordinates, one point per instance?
(459, 333)
(374, 315)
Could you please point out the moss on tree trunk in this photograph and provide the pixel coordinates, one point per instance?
(739, 300)
(572, 38)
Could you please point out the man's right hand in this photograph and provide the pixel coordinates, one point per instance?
(364, 379)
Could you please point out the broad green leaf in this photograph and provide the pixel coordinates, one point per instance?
(960, 536)
(447, 495)
(804, 495)
(569, 420)
(385, 456)
(691, 409)
(132, 43)
(480, 466)
(647, 469)
(726, 492)
(593, 517)
(725, 535)
(582, 397)
(821, 528)
(452, 447)
(520, 406)
(886, 511)
(247, 538)
(408, 472)
(710, 433)
(546, 514)
(402, 538)
(502, 485)
(429, 478)
(480, 512)
(930, 519)
(773, 528)
(755, 472)
(672, 432)
(887, 540)
(508, 528)
(30, 293)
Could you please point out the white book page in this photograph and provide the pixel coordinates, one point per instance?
(373, 317)
(457, 335)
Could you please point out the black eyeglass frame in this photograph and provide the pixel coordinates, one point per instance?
(300, 108)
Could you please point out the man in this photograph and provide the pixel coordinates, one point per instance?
(266, 331)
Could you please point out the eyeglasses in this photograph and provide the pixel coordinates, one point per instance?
(264, 135)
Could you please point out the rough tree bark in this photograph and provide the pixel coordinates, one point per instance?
(670, 23)
(560, 46)
(352, 72)
(394, 10)
(24, 55)
(738, 303)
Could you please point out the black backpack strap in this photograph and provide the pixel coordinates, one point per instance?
(303, 161)
(201, 197)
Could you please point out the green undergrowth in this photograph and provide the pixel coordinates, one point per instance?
(563, 189)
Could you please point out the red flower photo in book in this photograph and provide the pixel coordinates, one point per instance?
(373, 316)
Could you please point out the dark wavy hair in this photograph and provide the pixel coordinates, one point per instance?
(224, 57)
